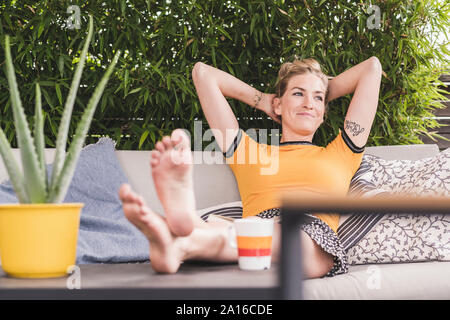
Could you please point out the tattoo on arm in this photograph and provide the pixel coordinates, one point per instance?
(257, 98)
(353, 127)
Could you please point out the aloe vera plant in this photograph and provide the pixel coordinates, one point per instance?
(32, 185)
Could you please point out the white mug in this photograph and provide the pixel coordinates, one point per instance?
(253, 239)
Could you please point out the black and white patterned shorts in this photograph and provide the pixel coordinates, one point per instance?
(323, 235)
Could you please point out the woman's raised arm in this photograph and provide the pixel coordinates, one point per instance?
(363, 80)
(213, 86)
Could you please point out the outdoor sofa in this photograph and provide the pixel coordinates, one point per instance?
(217, 193)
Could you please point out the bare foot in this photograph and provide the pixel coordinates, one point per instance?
(165, 249)
(171, 164)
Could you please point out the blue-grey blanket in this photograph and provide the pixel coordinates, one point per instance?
(105, 235)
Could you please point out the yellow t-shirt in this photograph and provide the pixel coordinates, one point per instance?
(263, 171)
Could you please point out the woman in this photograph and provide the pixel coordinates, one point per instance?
(300, 102)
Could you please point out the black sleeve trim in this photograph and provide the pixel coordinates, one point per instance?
(234, 145)
(350, 143)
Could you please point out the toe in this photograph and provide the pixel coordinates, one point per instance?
(167, 142)
(154, 162)
(129, 197)
(159, 146)
(139, 200)
(156, 154)
(131, 211)
(124, 191)
(179, 137)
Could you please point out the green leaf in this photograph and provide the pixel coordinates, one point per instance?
(14, 173)
(52, 126)
(35, 185)
(103, 104)
(213, 56)
(122, 7)
(47, 83)
(134, 91)
(125, 88)
(61, 65)
(252, 24)
(58, 190)
(39, 134)
(41, 28)
(68, 107)
(226, 34)
(143, 137)
(58, 93)
(147, 92)
(119, 88)
(8, 21)
(152, 137)
(48, 99)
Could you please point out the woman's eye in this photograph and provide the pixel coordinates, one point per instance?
(319, 98)
(298, 93)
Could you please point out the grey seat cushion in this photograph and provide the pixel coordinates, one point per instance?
(420, 280)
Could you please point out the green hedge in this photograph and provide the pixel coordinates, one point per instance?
(152, 91)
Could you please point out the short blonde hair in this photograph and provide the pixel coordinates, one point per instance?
(296, 67)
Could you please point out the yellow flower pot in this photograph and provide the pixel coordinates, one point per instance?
(38, 240)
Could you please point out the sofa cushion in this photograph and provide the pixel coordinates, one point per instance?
(403, 152)
(105, 235)
(407, 237)
(421, 280)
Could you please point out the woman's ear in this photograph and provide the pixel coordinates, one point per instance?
(277, 106)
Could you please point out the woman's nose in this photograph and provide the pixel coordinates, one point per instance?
(307, 102)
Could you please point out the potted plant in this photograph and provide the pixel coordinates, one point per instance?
(38, 236)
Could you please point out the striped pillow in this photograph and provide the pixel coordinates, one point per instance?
(354, 226)
(232, 210)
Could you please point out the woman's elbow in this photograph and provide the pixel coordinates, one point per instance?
(198, 71)
(374, 64)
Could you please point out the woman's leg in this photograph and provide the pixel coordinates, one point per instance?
(203, 241)
(167, 250)
(208, 242)
(316, 262)
(182, 235)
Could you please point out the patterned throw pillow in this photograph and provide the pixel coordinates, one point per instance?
(407, 237)
(425, 177)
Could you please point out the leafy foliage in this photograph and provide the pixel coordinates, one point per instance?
(152, 92)
(32, 185)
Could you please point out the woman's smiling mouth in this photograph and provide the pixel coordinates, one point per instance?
(304, 114)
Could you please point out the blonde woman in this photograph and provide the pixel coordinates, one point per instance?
(299, 104)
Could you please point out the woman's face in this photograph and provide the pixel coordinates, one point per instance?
(302, 105)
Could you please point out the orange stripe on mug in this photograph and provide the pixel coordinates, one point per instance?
(254, 252)
(254, 242)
